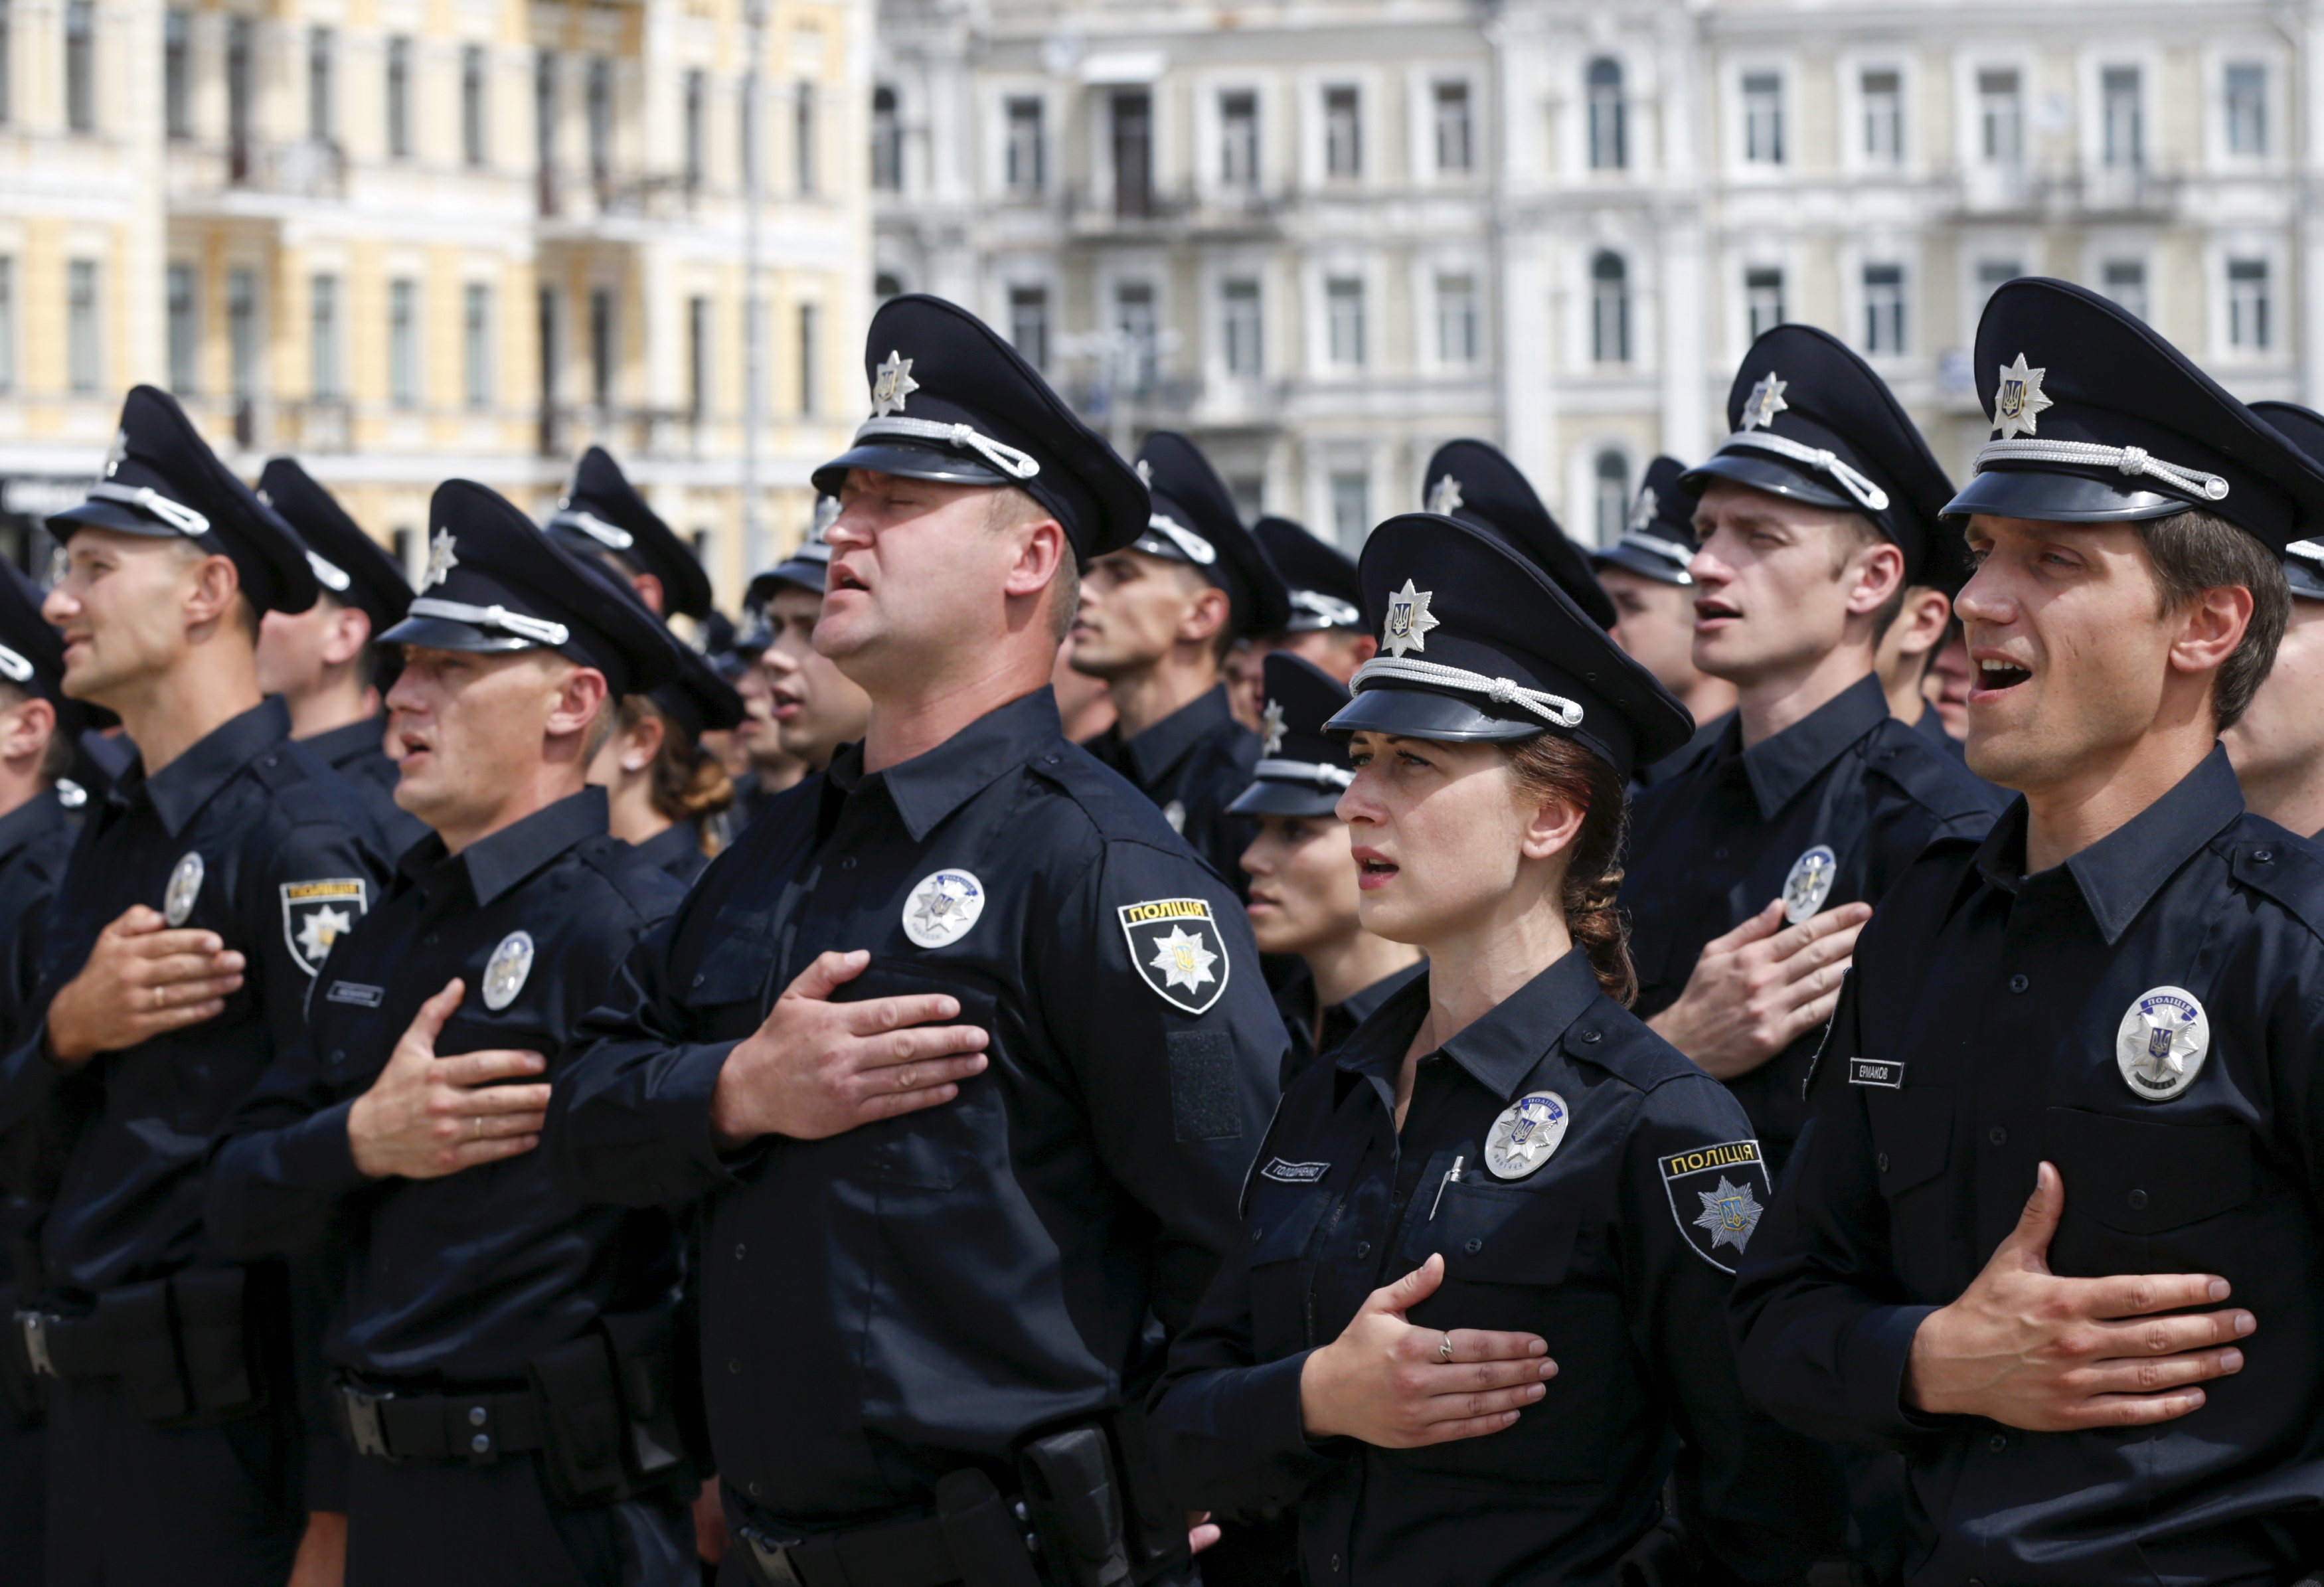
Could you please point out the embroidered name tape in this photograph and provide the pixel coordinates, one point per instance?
(1875, 1072)
(356, 993)
(1293, 1173)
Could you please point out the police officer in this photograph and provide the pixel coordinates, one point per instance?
(203, 893)
(665, 792)
(1472, 482)
(322, 660)
(1750, 873)
(2115, 1002)
(759, 737)
(1481, 1296)
(1159, 618)
(814, 707)
(993, 1122)
(489, 1322)
(1908, 649)
(1645, 574)
(1304, 890)
(603, 518)
(1326, 624)
(2277, 746)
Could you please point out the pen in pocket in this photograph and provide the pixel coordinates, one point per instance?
(1452, 1177)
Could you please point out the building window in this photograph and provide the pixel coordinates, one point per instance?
(476, 343)
(1763, 118)
(472, 104)
(810, 357)
(804, 157)
(886, 285)
(2125, 121)
(184, 329)
(7, 61)
(2248, 328)
(7, 323)
(1351, 507)
(1456, 318)
(1611, 474)
(1133, 152)
(1608, 133)
(1883, 117)
(1239, 327)
(2000, 116)
(80, 64)
(242, 337)
(2125, 283)
(238, 57)
(887, 141)
(1343, 132)
(597, 104)
(403, 343)
(1026, 150)
(697, 355)
(698, 94)
(1343, 303)
(1763, 300)
(544, 111)
(746, 133)
(602, 354)
(1239, 138)
(398, 98)
(1610, 309)
(177, 75)
(323, 377)
(80, 325)
(322, 112)
(1884, 309)
(1452, 151)
(1990, 275)
(2246, 106)
(549, 330)
(1134, 316)
(1029, 323)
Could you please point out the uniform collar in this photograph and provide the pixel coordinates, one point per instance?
(1359, 1006)
(20, 827)
(179, 789)
(1779, 767)
(342, 745)
(1153, 753)
(497, 863)
(1499, 1051)
(929, 786)
(671, 844)
(2120, 873)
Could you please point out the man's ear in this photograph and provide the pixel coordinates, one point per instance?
(1041, 549)
(1205, 614)
(2210, 627)
(350, 633)
(214, 583)
(649, 591)
(27, 728)
(580, 696)
(1878, 572)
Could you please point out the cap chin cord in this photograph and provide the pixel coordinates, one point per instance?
(1007, 458)
(1328, 611)
(1824, 461)
(14, 666)
(496, 618)
(155, 504)
(611, 538)
(331, 574)
(1190, 545)
(2130, 461)
(1554, 709)
(1314, 772)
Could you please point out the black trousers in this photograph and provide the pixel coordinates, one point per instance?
(23, 1498)
(130, 1504)
(442, 1523)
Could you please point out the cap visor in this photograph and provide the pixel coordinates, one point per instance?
(113, 515)
(1267, 796)
(806, 576)
(1408, 712)
(2058, 498)
(2306, 581)
(1764, 473)
(1644, 564)
(905, 462)
(441, 633)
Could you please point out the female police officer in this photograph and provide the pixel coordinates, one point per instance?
(1479, 1296)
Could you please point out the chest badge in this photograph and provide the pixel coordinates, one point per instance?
(185, 886)
(505, 970)
(1527, 1134)
(1718, 1195)
(1175, 947)
(1810, 882)
(941, 908)
(2163, 1041)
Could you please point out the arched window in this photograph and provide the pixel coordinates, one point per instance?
(887, 141)
(885, 286)
(1613, 482)
(1609, 308)
(1606, 150)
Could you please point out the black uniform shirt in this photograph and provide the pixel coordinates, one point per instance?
(280, 857)
(460, 1280)
(675, 851)
(1294, 999)
(36, 839)
(1193, 764)
(1711, 847)
(1979, 1036)
(920, 1292)
(1595, 1251)
(354, 752)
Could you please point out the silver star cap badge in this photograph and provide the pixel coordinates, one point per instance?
(1642, 510)
(1146, 473)
(1271, 727)
(2018, 402)
(1766, 401)
(895, 382)
(1407, 623)
(440, 559)
(1445, 496)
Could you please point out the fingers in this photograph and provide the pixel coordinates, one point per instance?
(169, 968)
(1459, 1381)
(1758, 928)
(1478, 1344)
(136, 920)
(1845, 921)
(1808, 1016)
(874, 1016)
(176, 943)
(1466, 1428)
(462, 1102)
(917, 1045)
(1410, 1290)
(476, 1153)
(490, 1066)
(179, 994)
(895, 1104)
(2028, 1245)
(2135, 1410)
(150, 1024)
(2163, 1374)
(428, 1024)
(1811, 953)
(2137, 1295)
(829, 972)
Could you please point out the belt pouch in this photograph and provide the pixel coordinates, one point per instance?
(214, 1337)
(20, 1387)
(136, 1318)
(1658, 1559)
(581, 1414)
(1157, 1527)
(644, 1346)
(986, 1543)
(1077, 1511)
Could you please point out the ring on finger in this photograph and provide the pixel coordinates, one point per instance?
(477, 1126)
(161, 997)
(1444, 1351)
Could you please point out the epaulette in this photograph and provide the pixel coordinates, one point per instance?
(641, 885)
(1927, 776)
(1634, 1055)
(1116, 809)
(2282, 867)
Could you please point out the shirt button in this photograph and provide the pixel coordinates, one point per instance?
(339, 1054)
(481, 1443)
(1719, 854)
(1254, 1234)
(2263, 855)
(1997, 1443)
(1882, 1161)
(476, 1415)
(1335, 1564)
(429, 939)
(1363, 1247)
(738, 1251)
(2018, 983)
(1591, 1036)
(1473, 1247)
(753, 1489)
(848, 863)
(700, 979)
(2137, 1199)
(734, 1367)
(1997, 1135)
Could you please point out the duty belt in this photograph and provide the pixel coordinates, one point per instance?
(58, 1346)
(390, 1427)
(900, 1554)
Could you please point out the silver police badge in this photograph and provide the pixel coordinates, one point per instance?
(1406, 627)
(893, 384)
(505, 970)
(1766, 401)
(1526, 1134)
(185, 885)
(442, 558)
(941, 907)
(1718, 1195)
(1271, 728)
(2163, 1040)
(1809, 884)
(1445, 496)
(2018, 401)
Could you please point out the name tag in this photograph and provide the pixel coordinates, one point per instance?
(1285, 1173)
(355, 993)
(1875, 1072)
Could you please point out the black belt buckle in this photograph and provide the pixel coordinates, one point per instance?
(35, 1327)
(773, 1559)
(363, 1424)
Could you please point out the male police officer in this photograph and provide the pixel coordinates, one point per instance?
(321, 661)
(2116, 1000)
(1645, 574)
(603, 518)
(1326, 625)
(489, 1323)
(1751, 873)
(1475, 482)
(1157, 620)
(814, 706)
(203, 894)
(908, 1320)
(2278, 743)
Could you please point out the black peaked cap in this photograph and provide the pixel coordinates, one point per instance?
(497, 583)
(951, 400)
(1475, 482)
(2097, 419)
(695, 697)
(2303, 558)
(1193, 519)
(1487, 623)
(604, 514)
(1813, 422)
(1303, 769)
(163, 481)
(31, 651)
(354, 569)
(1320, 577)
(1659, 540)
(807, 567)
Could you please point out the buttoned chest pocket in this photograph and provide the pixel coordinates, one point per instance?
(1279, 1233)
(940, 1146)
(1504, 1248)
(735, 967)
(2140, 1191)
(1911, 1143)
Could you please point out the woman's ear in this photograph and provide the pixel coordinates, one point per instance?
(642, 741)
(1550, 828)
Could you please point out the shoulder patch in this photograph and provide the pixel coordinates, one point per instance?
(316, 913)
(1177, 950)
(1718, 1195)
